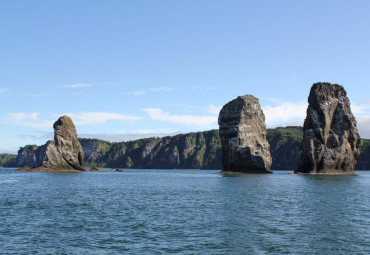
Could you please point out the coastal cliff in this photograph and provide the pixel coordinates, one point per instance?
(197, 153)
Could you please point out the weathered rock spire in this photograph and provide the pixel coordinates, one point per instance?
(243, 136)
(65, 152)
(331, 143)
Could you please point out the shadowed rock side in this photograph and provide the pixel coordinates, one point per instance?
(65, 152)
(331, 143)
(243, 136)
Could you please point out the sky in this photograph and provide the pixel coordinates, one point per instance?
(129, 69)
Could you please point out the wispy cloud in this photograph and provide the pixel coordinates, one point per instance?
(285, 112)
(363, 124)
(83, 118)
(145, 91)
(214, 109)
(3, 90)
(361, 110)
(191, 120)
(99, 118)
(78, 85)
(366, 101)
(29, 120)
(360, 107)
(131, 135)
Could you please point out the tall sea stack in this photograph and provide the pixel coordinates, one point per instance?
(243, 136)
(331, 143)
(65, 152)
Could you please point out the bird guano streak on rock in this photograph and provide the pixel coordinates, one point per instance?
(243, 136)
(331, 143)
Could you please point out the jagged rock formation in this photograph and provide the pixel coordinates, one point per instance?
(243, 136)
(65, 152)
(31, 155)
(331, 143)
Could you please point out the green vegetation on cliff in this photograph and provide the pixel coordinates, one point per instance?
(8, 160)
(284, 146)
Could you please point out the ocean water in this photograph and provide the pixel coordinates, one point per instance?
(183, 212)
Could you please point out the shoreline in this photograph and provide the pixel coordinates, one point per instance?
(26, 169)
(326, 173)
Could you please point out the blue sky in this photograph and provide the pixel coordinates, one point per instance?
(129, 69)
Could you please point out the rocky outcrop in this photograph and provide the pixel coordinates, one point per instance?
(331, 143)
(243, 136)
(65, 152)
(31, 155)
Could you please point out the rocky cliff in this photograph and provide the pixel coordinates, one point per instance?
(243, 136)
(331, 143)
(8, 160)
(189, 151)
(196, 151)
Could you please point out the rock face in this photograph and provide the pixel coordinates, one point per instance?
(331, 143)
(65, 152)
(31, 155)
(243, 136)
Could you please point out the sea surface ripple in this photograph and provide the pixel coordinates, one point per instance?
(183, 212)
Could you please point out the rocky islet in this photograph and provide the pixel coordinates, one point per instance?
(331, 142)
(64, 153)
(244, 136)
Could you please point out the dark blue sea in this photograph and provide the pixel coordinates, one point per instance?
(183, 212)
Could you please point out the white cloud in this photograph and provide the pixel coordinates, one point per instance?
(366, 101)
(214, 109)
(285, 112)
(192, 120)
(131, 135)
(360, 107)
(29, 120)
(84, 118)
(145, 91)
(3, 90)
(98, 118)
(361, 110)
(78, 85)
(363, 124)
